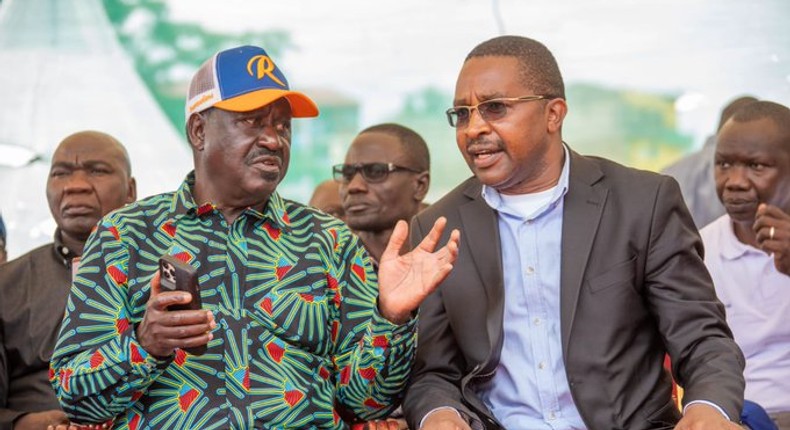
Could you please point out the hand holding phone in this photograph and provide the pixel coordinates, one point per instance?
(171, 320)
(176, 275)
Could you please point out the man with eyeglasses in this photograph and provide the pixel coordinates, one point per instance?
(296, 324)
(575, 277)
(384, 179)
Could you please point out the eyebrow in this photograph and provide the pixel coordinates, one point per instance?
(82, 164)
(482, 97)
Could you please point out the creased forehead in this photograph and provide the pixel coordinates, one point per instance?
(96, 145)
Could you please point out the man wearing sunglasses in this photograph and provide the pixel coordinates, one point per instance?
(384, 179)
(575, 277)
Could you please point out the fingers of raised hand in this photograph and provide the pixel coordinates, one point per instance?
(771, 223)
(452, 244)
(429, 242)
(398, 237)
(446, 256)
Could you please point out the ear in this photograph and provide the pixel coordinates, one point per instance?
(131, 195)
(196, 131)
(423, 183)
(555, 115)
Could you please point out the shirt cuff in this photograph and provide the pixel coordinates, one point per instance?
(705, 402)
(474, 423)
(383, 325)
(143, 363)
(440, 408)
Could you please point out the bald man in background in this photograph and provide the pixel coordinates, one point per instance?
(90, 176)
(326, 197)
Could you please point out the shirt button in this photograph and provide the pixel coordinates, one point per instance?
(536, 321)
(541, 365)
(530, 270)
(552, 416)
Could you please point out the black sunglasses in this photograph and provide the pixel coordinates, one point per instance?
(371, 172)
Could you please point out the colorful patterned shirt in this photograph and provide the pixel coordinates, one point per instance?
(298, 330)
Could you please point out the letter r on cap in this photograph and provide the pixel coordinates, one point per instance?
(263, 66)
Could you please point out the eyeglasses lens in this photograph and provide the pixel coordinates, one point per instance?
(372, 172)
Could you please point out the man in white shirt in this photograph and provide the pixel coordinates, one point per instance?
(748, 249)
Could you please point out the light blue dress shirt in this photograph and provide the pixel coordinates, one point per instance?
(530, 389)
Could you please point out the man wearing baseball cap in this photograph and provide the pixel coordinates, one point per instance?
(299, 329)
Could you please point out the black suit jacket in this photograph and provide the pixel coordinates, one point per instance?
(633, 287)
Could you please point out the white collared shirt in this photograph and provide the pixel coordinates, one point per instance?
(757, 299)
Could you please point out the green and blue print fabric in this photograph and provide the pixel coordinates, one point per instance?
(294, 297)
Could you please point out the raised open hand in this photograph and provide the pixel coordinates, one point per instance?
(406, 280)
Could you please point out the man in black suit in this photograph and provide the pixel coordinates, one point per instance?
(575, 277)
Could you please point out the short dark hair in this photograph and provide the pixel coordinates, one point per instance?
(779, 114)
(733, 107)
(413, 144)
(539, 69)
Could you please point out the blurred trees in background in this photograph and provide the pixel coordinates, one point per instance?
(632, 127)
(166, 53)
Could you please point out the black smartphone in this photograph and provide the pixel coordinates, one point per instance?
(175, 275)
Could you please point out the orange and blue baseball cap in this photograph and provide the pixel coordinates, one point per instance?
(243, 79)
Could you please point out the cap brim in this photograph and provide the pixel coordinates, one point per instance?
(301, 105)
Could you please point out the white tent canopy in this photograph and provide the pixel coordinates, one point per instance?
(63, 71)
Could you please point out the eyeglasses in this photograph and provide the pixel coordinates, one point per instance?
(371, 172)
(490, 110)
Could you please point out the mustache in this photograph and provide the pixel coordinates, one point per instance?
(485, 142)
(263, 152)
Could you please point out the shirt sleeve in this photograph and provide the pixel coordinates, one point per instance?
(705, 402)
(98, 368)
(372, 357)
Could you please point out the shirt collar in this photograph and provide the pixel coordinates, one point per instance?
(731, 247)
(494, 199)
(61, 251)
(184, 205)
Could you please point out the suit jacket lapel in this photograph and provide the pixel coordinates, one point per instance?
(482, 236)
(583, 206)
